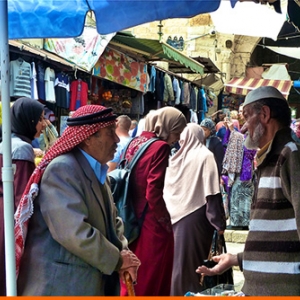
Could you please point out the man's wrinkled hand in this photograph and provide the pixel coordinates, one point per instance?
(225, 261)
(129, 259)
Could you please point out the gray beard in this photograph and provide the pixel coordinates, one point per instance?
(253, 142)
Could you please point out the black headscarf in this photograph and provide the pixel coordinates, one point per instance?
(25, 114)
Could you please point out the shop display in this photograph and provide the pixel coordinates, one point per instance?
(119, 100)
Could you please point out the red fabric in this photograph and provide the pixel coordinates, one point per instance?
(23, 173)
(81, 95)
(71, 137)
(155, 245)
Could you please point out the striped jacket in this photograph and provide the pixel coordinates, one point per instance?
(271, 259)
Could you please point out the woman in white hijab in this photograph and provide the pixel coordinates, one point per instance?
(193, 199)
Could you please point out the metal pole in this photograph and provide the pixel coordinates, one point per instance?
(7, 170)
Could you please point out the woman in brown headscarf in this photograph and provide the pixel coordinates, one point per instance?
(155, 245)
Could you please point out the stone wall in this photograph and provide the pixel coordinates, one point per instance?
(230, 57)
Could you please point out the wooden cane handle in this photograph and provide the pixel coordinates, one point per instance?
(202, 279)
(129, 284)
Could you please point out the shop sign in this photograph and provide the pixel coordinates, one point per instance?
(122, 69)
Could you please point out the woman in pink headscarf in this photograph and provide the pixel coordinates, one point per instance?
(192, 195)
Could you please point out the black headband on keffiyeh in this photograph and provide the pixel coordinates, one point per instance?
(71, 137)
(98, 117)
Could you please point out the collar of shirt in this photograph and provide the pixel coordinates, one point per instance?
(99, 170)
(262, 153)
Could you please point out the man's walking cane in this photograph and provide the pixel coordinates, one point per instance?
(129, 284)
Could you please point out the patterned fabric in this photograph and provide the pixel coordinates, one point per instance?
(71, 137)
(247, 167)
(240, 202)
(232, 162)
(134, 146)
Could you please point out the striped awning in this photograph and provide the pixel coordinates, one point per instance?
(242, 86)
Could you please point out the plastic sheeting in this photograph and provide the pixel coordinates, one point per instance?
(250, 19)
(59, 18)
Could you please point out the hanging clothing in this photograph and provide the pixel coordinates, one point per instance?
(194, 118)
(193, 98)
(186, 94)
(41, 81)
(177, 90)
(79, 94)
(168, 89)
(20, 75)
(33, 82)
(240, 202)
(49, 85)
(151, 87)
(62, 89)
(159, 86)
(238, 165)
(202, 106)
(232, 163)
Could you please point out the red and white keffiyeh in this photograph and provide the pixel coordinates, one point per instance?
(85, 121)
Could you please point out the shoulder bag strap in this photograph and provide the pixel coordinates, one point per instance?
(134, 160)
(140, 152)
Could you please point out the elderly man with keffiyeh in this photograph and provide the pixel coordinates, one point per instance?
(69, 240)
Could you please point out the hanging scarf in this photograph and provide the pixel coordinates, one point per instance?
(85, 121)
(232, 162)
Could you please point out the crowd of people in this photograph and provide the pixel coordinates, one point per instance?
(69, 237)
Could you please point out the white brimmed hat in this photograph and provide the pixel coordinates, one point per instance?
(263, 92)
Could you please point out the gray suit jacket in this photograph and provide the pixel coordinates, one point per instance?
(74, 237)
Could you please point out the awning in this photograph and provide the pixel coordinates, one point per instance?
(210, 67)
(212, 81)
(46, 55)
(242, 86)
(154, 50)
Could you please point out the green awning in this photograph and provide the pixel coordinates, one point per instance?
(172, 53)
(154, 50)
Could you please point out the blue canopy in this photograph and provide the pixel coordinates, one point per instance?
(65, 18)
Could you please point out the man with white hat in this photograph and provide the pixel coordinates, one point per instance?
(271, 258)
(75, 244)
